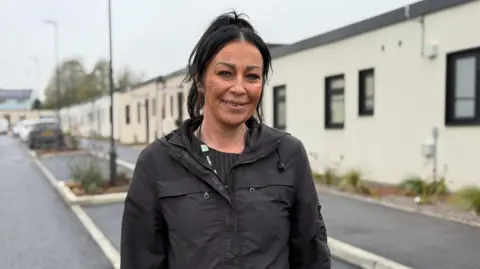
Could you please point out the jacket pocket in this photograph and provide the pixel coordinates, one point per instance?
(264, 200)
(189, 206)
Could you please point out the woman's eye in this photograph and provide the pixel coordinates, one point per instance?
(224, 73)
(253, 77)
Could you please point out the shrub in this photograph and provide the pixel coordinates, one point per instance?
(416, 185)
(88, 175)
(353, 181)
(71, 140)
(470, 196)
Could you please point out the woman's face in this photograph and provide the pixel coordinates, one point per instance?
(233, 83)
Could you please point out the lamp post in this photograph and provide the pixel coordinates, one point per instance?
(57, 67)
(113, 151)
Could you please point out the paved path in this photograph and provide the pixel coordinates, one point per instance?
(37, 229)
(109, 217)
(412, 239)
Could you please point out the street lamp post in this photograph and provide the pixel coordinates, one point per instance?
(113, 151)
(57, 67)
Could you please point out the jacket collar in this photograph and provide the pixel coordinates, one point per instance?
(261, 138)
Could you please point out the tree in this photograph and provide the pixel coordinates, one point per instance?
(73, 87)
(126, 78)
(77, 85)
(37, 104)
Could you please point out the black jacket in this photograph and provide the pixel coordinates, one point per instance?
(178, 215)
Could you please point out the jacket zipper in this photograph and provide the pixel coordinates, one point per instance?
(209, 168)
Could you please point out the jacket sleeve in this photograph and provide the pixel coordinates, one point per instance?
(308, 236)
(143, 233)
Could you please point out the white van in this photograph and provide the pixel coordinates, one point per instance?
(4, 126)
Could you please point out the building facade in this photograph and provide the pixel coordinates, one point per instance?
(366, 96)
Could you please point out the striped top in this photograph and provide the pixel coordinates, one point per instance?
(221, 162)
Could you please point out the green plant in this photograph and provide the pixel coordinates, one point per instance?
(471, 197)
(353, 181)
(88, 175)
(413, 185)
(416, 185)
(317, 177)
(329, 178)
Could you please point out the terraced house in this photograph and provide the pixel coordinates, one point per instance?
(16, 104)
(365, 96)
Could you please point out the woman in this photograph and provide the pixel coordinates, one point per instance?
(224, 190)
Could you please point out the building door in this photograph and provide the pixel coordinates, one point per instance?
(147, 122)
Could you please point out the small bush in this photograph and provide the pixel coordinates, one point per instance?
(330, 177)
(416, 185)
(88, 175)
(353, 181)
(471, 197)
(317, 177)
(71, 141)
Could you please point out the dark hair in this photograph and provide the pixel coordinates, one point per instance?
(224, 29)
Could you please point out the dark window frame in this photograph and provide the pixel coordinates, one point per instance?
(450, 91)
(276, 100)
(328, 94)
(363, 110)
(127, 114)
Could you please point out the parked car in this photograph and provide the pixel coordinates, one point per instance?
(45, 133)
(4, 126)
(15, 128)
(23, 129)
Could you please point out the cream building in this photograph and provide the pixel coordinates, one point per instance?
(366, 95)
(370, 93)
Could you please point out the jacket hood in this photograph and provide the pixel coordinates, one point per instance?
(261, 138)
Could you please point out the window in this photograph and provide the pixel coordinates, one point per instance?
(463, 88)
(110, 118)
(154, 107)
(171, 106)
(180, 105)
(164, 103)
(335, 102)
(127, 114)
(279, 107)
(366, 92)
(139, 111)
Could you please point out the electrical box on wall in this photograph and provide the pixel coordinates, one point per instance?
(428, 148)
(431, 50)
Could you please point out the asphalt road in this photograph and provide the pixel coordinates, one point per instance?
(412, 239)
(418, 241)
(109, 217)
(37, 229)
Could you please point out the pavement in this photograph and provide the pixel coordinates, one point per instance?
(412, 239)
(37, 229)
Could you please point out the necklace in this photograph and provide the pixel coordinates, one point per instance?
(203, 145)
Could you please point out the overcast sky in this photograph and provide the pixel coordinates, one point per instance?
(150, 36)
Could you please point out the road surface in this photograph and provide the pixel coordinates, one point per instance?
(37, 229)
